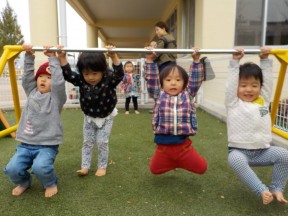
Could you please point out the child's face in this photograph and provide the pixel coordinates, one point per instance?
(153, 44)
(44, 83)
(92, 77)
(173, 83)
(128, 68)
(249, 89)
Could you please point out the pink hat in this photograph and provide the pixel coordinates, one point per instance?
(43, 69)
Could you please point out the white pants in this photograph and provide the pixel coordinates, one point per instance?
(93, 134)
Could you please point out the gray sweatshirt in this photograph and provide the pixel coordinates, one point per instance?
(40, 122)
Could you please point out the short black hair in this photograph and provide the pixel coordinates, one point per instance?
(170, 68)
(250, 69)
(91, 61)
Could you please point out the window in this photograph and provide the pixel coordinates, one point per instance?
(261, 22)
(172, 24)
(277, 23)
(188, 23)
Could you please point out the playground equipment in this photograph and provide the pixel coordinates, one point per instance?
(9, 55)
(12, 51)
(5, 124)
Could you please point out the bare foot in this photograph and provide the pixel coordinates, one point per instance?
(267, 197)
(82, 172)
(279, 197)
(51, 191)
(100, 172)
(17, 191)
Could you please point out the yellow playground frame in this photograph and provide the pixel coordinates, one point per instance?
(12, 51)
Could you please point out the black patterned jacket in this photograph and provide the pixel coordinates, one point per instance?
(99, 100)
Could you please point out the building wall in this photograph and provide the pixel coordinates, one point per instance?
(214, 24)
(92, 36)
(43, 23)
(214, 29)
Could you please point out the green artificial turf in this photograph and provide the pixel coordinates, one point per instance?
(129, 188)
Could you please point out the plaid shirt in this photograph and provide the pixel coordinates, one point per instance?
(174, 115)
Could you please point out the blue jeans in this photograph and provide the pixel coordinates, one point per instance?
(37, 157)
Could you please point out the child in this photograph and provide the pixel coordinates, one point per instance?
(164, 41)
(131, 86)
(174, 117)
(98, 99)
(153, 44)
(40, 129)
(248, 93)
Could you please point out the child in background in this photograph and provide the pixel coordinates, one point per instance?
(97, 87)
(131, 86)
(174, 117)
(164, 41)
(40, 129)
(153, 44)
(248, 93)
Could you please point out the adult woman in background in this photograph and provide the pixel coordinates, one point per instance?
(164, 40)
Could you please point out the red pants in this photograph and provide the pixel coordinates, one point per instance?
(169, 157)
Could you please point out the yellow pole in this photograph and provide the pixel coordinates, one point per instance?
(8, 131)
(277, 95)
(283, 59)
(280, 132)
(10, 51)
(3, 61)
(9, 55)
(5, 122)
(14, 87)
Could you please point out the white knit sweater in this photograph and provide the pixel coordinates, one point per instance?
(248, 123)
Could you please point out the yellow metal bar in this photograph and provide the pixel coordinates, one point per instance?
(10, 51)
(5, 122)
(283, 59)
(278, 90)
(8, 131)
(3, 61)
(280, 132)
(9, 55)
(13, 50)
(280, 54)
(14, 88)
